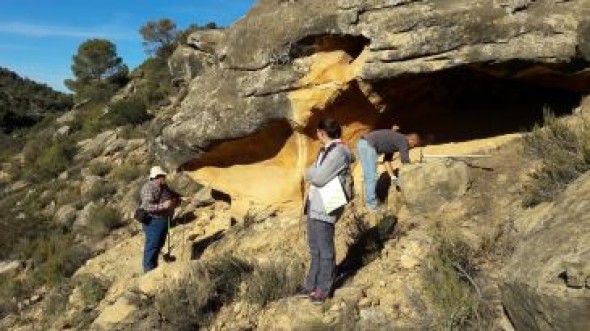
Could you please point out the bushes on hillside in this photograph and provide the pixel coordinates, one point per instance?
(131, 111)
(449, 284)
(563, 148)
(100, 169)
(103, 219)
(53, 258)
(101, 191)
(156, 85)
(46, 158)
(92, 290)
(128, 172)
(188, 302)
(57, 257)
(273, 281)
(24, 102)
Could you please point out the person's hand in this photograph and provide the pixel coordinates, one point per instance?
(176, 202)
(394, 180)
(167, 204)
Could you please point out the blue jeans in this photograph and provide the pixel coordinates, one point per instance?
(155, 237)
(368, 156)
(320, 237)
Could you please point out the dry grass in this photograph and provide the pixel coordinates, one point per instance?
(93, 290)
(188, 302)
(563, 148)
(449, 281)
(103, 219)
(273, 281)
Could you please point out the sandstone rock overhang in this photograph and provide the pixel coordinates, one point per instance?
(452, 70)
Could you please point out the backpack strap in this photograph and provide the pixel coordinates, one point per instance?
(327, 150)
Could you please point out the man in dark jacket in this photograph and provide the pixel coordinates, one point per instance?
(333, 162)
(384, 142)
(159, 201)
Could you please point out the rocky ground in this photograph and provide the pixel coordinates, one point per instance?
(457, 247)
(478, 198)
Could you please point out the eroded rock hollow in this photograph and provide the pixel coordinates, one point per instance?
(450, 70)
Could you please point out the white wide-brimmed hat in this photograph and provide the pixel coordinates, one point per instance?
(157, 171)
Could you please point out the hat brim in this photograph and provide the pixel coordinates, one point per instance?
(156, 175)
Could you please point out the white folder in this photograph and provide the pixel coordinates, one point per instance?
(333, 195)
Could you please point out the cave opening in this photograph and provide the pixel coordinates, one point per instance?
(470, 102)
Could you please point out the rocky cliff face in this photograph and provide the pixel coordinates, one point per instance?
(246, 125)
(547, 281)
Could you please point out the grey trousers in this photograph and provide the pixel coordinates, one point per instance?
(320, 237)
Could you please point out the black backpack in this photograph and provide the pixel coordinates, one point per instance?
(141, 215)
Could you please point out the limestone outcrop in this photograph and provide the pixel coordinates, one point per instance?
(255, 93)
(546, 284)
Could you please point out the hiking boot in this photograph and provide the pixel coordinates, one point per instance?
(302, 292)
(317, 297)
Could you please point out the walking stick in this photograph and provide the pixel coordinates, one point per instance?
(302, 213)
(168, 257)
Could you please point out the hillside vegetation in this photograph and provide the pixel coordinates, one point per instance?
(24, 102)
(444, 252)
(69, 178)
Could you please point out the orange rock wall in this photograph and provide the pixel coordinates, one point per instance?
(267, 168)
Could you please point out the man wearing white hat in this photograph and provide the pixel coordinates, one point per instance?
(159, 201)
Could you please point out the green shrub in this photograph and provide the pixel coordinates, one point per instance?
(57, 257)
(12, 290)
(54, 257)
(92, 290)
(103, 219)
(131, 111)
(188, 302)
(100, 168)
(128, 172)
(57, 301)
(563, 148)
(9, 146)
(273, 281)
(49, 160)
(449, 284)
(99, 92)
(89, 121)
(67, 195)
(101, 191)
(156, 86)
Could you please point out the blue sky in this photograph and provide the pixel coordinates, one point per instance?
(39, 37)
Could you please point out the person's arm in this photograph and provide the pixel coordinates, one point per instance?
(330, 168)
(404, 153)
(176, 197)
(309, 173)
(389, 168)
(387, 159)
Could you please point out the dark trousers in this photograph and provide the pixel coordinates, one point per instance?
(320, 237)
(155, 237)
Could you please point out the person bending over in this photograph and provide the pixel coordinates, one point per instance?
(387, 142)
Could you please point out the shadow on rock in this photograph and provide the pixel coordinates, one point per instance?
(199, 247)
(183, 219)
(366, 248)
(382, 186)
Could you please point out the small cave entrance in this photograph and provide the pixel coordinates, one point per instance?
(474, 102)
